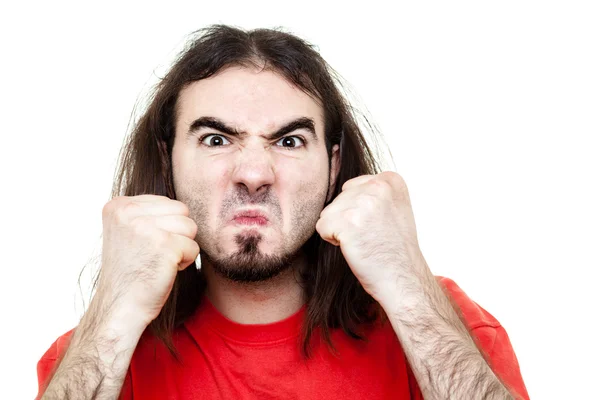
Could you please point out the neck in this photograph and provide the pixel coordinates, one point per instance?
(256, 302)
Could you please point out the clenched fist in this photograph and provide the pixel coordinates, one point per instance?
(373, 223)
(146, 240)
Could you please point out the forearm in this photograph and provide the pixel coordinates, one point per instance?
(444, 358)
(96, 362)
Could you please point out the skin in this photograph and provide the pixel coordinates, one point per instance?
(250, 269)
(372, 222)
(218, 174)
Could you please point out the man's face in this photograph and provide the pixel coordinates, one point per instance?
(250, 162)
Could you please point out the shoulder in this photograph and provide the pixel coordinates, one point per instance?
(47, 364)
(473, 314)
(58, 348)
(491, 338)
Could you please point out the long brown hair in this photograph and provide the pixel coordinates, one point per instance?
(335, 297)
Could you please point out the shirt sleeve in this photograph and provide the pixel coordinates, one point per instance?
(491, 338)
(498, 351)
(47, 365)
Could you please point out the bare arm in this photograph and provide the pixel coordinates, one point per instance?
(97, 359)
(445, 360)
(373, 223)
(146, 240)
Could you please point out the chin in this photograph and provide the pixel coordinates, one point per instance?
(248, 255)
(248, 261)
(264, 241)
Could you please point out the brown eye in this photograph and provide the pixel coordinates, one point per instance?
(214, 140)
(290, 142)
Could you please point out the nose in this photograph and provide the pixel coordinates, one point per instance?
(254, 169)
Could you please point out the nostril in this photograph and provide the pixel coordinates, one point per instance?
(248, 190)
(258, 191)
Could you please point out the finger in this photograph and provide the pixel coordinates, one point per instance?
(329, 229)
(157, 206)
(344, 200)
(189, 250)
(359, 180)
(149, 197)
(177, 224)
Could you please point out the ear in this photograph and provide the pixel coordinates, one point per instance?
(333, 170)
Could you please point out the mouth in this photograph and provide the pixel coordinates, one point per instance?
(250, 217)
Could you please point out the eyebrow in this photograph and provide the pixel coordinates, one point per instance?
(214, 123)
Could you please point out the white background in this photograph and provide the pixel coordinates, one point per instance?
(491, 109)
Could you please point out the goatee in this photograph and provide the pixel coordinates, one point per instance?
(249, 264)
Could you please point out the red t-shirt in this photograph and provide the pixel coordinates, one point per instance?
(221, 359)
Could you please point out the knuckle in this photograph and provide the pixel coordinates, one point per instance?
(380, 186)
(377, 182)
(123, 209)
(185, 210)
(178, 207)
(352, 215)
(140, 226)
(193, 228)
(194, 250)
(183, 225)
(161, 238)
(173, 256)
(394, 178)
(345, 185)
(367, 202)
(319, 225)
(110, 207)
(106, 210)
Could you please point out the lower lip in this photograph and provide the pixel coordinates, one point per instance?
(250, 220)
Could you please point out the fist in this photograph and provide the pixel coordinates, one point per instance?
(146, 240)
(373, 223)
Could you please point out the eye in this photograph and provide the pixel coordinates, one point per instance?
(291, 142)
(214, 140)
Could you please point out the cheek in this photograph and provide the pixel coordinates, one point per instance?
(305, 189)
(213, 177)
(312, 169)
(200, 185)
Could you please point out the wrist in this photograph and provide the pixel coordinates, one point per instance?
(409, 298)
(107, 341)
(408, 292)
(114, 321)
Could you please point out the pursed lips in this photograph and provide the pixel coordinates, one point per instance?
(250, 217)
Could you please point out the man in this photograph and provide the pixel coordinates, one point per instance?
(312, 284)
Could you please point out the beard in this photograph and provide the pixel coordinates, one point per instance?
(248, 263)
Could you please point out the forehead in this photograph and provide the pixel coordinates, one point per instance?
(250, 99)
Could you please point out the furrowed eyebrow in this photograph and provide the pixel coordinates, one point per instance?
(214, 123)
(300, 123)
